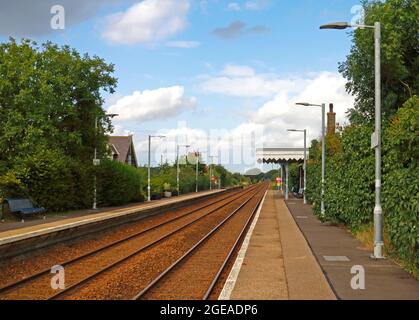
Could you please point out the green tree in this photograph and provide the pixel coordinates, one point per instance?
(399, 58)
(49, 99)
(50, 96)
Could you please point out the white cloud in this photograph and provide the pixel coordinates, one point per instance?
(256, 5)
(242, 81)
(237, 71)
(183, 44)
(265, 126)
(150, 105)
(233, 6)
(251, 5)
(281, 113)
(147, 21)
(234, 148)
(248, 5)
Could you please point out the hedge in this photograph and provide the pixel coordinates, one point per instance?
(117, 184)
(59, 183)
(349, 189)
(401, 182)
(51, 179)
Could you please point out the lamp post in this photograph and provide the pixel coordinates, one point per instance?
(323, 106)
(197, 154)
(177, 166)
(96, 161)
(376, 136)
(305, 160)
(212, 159)
(149, 166)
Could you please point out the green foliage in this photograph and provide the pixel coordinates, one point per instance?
(356, 166)
(117, 183)
(349, 191)
(50, 178)
(10, 185)
(165, 175)
(166, 187)
(227, 178)
(293, 180)
(401, 183)
(49, 97)
(399, 55)
(350, 177)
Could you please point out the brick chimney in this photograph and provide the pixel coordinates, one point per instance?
(331, 120)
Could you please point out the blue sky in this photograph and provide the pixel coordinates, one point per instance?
(188, 68)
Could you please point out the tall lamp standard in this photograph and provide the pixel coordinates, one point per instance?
(177, 166)
(323, 106)
(212, 160)
(96, 161)
(376, 136)
(305, 160)
(149, 166)
(197, 154)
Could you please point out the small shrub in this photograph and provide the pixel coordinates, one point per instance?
(117, 184)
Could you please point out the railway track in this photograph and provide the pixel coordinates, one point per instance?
(195, 274)
(88, 266)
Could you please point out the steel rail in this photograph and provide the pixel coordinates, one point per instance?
(184, 256)
(19, 282)
(233, 248)
(137, 251)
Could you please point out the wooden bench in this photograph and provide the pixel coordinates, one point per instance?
(23, 207)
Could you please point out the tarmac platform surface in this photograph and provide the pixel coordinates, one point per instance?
(337, 252)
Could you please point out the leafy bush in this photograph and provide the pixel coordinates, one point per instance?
(45, 176)
(349, 178)
(401, 182)
(10, 185)
(349, 190)
(59, 183)
(117, 184)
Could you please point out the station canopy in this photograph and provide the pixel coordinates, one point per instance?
(280, 155)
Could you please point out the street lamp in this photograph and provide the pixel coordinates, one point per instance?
(96, 161)
(376, 136)
(149, 166)
(197, 154)
(212, 160)
(305, 160)
(177, 165)
(323, 106)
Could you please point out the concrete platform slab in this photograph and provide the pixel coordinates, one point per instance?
(279, 264)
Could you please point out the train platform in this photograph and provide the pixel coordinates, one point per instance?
(289, 254)
(70, 223)
(275, 261)
(337, 252)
